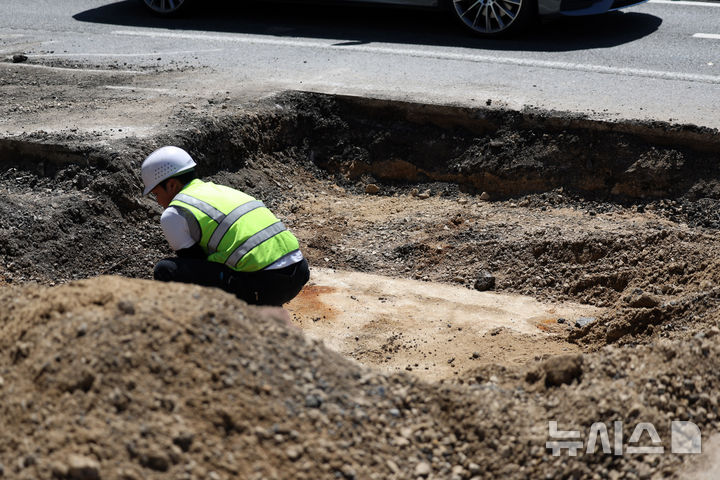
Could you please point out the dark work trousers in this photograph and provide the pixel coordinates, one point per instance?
(264, 287)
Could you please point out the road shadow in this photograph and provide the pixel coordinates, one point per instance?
(358, 24)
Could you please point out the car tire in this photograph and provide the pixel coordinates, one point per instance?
(167, 7)
(494, 18)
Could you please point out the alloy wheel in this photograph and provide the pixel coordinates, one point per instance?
(489, 17)
(165, 6)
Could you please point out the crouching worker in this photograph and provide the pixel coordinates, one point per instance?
(222, 237)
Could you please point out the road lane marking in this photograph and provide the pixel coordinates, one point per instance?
(713, 36)
(683, 2)
(462, 57)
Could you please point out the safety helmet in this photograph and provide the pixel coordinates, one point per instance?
(164, 163)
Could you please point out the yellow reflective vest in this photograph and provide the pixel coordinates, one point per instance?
(237, 229)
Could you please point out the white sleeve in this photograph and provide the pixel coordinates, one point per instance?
(177, 229)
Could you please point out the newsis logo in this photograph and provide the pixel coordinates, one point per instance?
(644, 439)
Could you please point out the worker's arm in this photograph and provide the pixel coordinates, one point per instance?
(194, 251)
(182, 232)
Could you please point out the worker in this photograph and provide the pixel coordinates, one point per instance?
(222, 237)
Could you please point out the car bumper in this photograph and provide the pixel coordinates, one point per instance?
(576, 8)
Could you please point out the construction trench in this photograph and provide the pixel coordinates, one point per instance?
(476, 275)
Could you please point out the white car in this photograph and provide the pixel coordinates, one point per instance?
(486, 18)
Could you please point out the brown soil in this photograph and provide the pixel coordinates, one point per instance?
(396, 205)
(120, 378)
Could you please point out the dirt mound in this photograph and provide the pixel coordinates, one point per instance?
(144, 378)
(131, 379)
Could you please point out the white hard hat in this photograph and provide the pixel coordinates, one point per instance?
(164, 163)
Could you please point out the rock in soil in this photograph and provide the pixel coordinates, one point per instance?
(80, 467)
(485, 281)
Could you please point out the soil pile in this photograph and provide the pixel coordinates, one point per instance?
(131, 379)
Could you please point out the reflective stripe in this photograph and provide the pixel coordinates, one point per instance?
(286, 258)
(253, 242)
(204, 207)
(193, 224)
(228, 221)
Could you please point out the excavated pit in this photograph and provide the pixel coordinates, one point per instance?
(617, 220)
(560, 208)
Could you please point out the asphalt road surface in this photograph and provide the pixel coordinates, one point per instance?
(659, 60)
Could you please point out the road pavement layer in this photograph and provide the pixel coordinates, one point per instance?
(657, 61)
